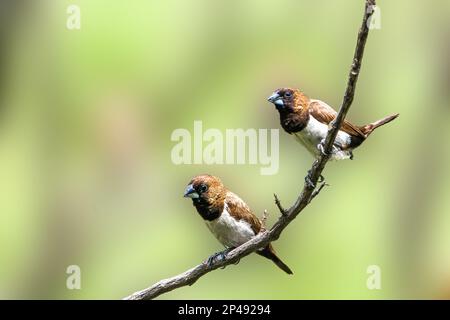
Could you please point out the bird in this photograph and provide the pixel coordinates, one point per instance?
(227, 216)
(309, 119)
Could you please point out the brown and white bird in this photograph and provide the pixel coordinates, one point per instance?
(227, 216)
(308, 120)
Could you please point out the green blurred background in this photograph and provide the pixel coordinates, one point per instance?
(86, 116)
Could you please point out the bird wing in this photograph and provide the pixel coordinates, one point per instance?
(322, 112)
(241, 211)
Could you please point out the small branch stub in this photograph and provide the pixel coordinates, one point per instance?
(264, 221)
(318, 189)
(280, 207)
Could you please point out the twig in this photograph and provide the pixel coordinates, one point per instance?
(307, 194)
(282, 210)
(264, 221)
(318, 189)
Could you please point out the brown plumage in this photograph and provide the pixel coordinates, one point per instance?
(227, 216)
(308, 119)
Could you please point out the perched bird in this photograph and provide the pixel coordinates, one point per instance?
(227, 216)
(308, 120)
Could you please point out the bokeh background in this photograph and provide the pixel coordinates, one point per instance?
(86, 116)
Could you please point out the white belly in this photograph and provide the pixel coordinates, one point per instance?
(228, 231)
(315, 132)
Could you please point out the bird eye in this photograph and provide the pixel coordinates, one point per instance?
(203, 188)
(288, 94)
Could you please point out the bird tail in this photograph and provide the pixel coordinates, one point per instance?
(269, 253)
(369, 128)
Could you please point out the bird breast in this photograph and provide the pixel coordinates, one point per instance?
(316, 131)
(229, 231)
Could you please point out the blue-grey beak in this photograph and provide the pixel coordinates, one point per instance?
(275, 98)
(190, 192)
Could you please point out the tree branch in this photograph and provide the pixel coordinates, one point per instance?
(190, 276)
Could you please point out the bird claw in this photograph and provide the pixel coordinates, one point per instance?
(321, 147)
(213, 258)
(334, 149)
(308, 180)
(218, 256)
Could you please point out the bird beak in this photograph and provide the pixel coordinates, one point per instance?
(275, 99)
(190, 192)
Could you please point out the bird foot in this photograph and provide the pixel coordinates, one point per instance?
(308, 180)
(321, 147)
(218, 256)
(335, 148)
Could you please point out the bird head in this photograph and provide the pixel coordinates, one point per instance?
(288, 100)
(206, 189)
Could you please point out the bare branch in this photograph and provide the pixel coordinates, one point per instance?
(308, 193)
